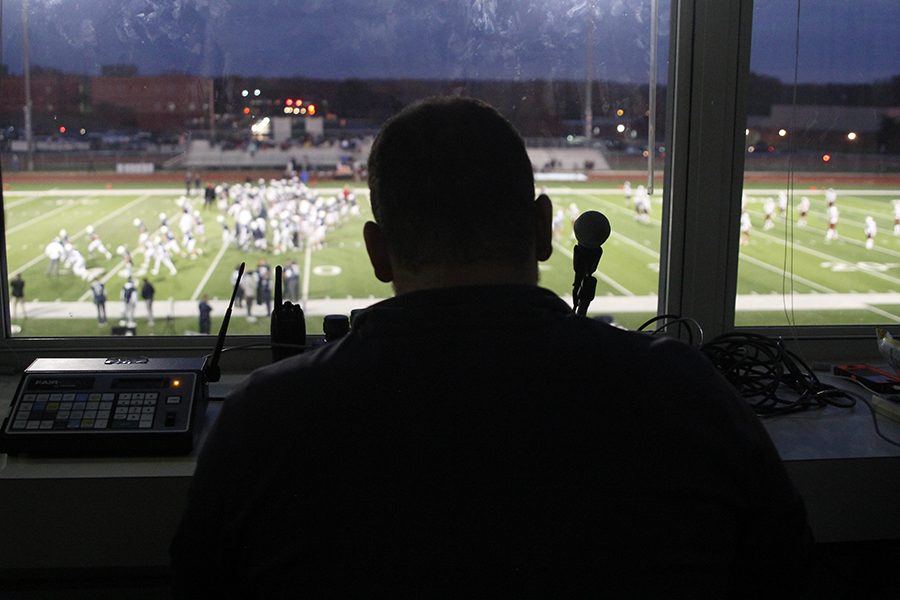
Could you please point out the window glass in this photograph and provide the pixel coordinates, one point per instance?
(165, 142)
(820, 229)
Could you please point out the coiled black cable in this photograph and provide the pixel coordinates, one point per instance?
(686, 323)
(757, 366)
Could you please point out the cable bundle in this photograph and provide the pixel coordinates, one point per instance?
(757, 366)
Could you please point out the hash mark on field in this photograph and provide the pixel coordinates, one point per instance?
(606, 279)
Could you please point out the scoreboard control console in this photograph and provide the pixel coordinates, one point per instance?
(107, 406)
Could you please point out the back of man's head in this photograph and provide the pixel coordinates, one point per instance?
(451, 184)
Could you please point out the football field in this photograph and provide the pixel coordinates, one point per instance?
(838, 281)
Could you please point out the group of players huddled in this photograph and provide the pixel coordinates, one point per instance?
(275, 216)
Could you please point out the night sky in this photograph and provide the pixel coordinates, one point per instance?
(841, 41)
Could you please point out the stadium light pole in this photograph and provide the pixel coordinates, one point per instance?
(651, 114)
(26, 67)
(588, 77)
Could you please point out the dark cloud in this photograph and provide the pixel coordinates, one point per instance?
(474, 39)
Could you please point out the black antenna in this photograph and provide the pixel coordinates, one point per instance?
(277, 286)
(213, 373)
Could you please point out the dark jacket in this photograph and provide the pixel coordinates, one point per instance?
(484, 441)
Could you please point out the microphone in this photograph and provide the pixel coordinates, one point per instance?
(591, 230)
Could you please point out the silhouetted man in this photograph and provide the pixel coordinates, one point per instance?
(471, 437)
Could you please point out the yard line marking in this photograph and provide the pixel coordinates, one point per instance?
(624, 238)
(883, 313)
(34, 220)
(307, 265)
(209, 271)
(89, 294)
(807, 282)
(36, 196)
(639, 246)
(606, 279)
(111, 215)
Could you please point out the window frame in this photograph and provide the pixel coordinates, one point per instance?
(709, 58)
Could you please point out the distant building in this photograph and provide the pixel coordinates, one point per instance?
(53, 93)
(124, 70)
(158, 102)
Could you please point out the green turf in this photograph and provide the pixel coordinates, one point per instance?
(340, 270)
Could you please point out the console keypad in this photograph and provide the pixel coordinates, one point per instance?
(86, 410)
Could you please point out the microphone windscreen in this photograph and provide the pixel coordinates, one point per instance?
(592, 229)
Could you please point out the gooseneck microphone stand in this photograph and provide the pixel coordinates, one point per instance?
(591, 230)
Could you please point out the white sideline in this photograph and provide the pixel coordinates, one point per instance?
(601, 305)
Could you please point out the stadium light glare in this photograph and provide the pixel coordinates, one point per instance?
(261, 127)
(851, 136)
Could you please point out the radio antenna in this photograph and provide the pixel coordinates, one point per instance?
(213, 373)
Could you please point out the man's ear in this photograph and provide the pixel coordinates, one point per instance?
(378, 254)
(543, 238)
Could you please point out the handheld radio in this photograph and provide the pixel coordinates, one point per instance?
(288, 326)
